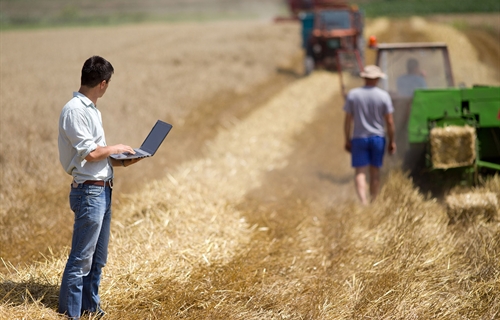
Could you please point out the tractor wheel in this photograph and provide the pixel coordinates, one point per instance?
(415, 165)
(414, 159)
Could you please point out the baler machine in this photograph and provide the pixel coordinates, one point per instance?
(456, 128)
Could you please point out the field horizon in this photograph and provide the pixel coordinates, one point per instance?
(20, 14)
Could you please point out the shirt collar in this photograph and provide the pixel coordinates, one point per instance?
(86, 101)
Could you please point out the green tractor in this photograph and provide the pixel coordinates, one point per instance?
(457, 129)
(446, 135)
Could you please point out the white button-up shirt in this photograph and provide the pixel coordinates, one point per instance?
(80, 132)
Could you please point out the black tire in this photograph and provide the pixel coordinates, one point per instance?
(414, 159)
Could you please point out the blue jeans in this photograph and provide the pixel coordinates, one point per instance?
(89, 249)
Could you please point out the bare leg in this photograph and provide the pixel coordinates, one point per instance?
(374, 182)
(360, 182)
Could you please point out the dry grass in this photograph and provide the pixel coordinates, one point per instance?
(262, 224)
(399, 259)
(472, 206)
(485, 21)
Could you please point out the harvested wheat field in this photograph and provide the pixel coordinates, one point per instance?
(248, 209)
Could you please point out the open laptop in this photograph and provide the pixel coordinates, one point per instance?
(150, 144)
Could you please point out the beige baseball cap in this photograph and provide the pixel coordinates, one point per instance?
(372, 72)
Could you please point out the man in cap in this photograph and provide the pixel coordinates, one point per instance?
(368, 108)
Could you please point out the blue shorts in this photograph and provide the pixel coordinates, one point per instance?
(367, 151)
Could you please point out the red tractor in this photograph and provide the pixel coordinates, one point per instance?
(332, 37)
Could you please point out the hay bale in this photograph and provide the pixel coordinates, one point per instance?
(453, 146)
(472, 205)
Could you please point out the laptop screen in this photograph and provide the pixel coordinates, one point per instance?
(156, 137)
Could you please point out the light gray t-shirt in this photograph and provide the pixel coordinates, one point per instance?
(368, 107)
(80, 132)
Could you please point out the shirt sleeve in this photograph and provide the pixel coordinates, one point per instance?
(78, 131)
(348, 104)
(423, 83)
(389, 108)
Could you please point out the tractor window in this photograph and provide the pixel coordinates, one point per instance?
(338, 19)
(412, 68)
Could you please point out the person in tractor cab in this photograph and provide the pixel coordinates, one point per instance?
(369, 108)
(414, 79)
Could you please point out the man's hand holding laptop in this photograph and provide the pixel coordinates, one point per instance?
(128, 150)
(126, 162)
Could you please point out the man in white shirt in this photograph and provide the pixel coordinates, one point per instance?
(84, 155)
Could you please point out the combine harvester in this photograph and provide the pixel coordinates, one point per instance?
(446, 135)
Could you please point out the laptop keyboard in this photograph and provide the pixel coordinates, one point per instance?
(137, 153)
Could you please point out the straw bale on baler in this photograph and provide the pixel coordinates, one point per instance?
(472, 205)
(453, 146)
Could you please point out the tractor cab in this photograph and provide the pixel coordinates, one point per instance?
(333, 20)
(410, 67)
